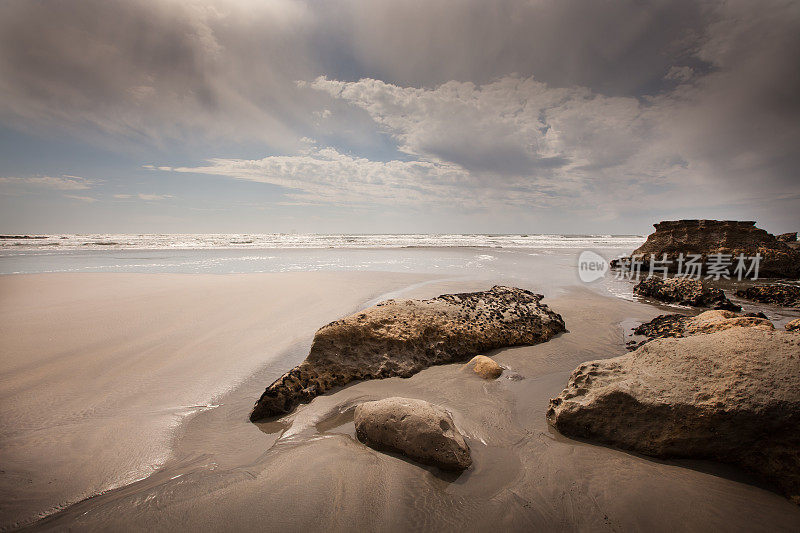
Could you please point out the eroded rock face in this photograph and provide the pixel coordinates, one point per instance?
(415, 428)
(402, 337)
(684, 291)
(794, 325)
(788, 237)
(485, 367)
(731, 395)
(774, 293)
(705, 237)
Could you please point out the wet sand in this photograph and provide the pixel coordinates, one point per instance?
(306, 471)
(98, 371)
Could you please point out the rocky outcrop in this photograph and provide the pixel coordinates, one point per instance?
(485, 367)
(684, 291)
(787, 237)
(794, 325)
(415, 428)
(774, 293)
(662, 326)
(676, 325)
(706, 237)
(402, 337)
(732, 395)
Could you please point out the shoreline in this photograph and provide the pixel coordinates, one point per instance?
(227, 472)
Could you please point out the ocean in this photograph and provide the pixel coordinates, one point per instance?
(276, 252)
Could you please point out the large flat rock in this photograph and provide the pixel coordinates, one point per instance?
(733, 237)
(732, 395)
(402, 337)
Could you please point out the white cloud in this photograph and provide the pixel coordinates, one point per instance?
(87, 199)
(516, 126)
(62, 183)
(324, 174)
(533, 144)
(153, 197)
(143, 196)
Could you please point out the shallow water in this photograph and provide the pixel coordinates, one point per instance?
(505, 262)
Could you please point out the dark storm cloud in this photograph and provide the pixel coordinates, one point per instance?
(160, 67)
(154, 69)
(617, 48)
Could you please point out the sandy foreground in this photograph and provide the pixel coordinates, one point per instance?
(98, 370)
(135, 389)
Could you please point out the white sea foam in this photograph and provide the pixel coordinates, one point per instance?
(109, 241)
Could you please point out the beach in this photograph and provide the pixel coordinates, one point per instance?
(125, 402)
(99, 370)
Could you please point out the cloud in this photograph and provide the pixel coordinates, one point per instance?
(143, 196)
(618, 48)
(511, 126)
(62, 183)
(511, 143)
(151, 71)
(226, 68)
(519, 142)
(153, 197)
(87, 199)
(612, 108)
(679, 73)
(326, 175)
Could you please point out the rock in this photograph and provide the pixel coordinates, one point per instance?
(731, 396)
(774, 293)
(787, 237)
(794, 325)
(485, 367)
(670, 325)
(712, 321)
(402, 337)
(415, 428)
(684, 291)
(675, 325)
(705, 237)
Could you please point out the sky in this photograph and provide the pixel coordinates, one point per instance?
(373, 116)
